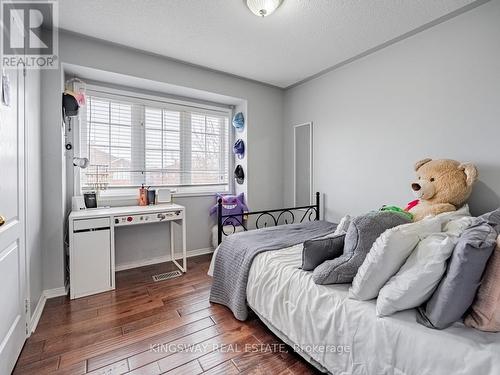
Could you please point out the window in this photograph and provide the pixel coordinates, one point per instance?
(163, 147)
(140, 141)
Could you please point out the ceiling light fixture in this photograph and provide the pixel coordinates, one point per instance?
(263, 8)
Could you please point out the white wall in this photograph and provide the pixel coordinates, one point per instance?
(264, 133)
(435, 94)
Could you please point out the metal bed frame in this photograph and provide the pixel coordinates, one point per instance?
(276, 217)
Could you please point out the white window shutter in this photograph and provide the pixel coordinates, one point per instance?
(155, 144)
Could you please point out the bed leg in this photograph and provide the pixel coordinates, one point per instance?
(317, 205)
(219, 221)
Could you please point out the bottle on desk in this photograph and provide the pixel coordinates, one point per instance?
(143, 196)
(151, 196)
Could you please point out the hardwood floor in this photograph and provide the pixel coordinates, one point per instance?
(145, 327)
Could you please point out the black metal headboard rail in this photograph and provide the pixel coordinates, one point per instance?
(276, 216)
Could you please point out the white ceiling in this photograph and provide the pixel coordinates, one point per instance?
(302, 38)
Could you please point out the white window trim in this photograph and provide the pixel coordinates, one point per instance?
(147, 99)
(165, 103)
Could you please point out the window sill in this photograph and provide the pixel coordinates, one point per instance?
(198, 194)
(130, 195)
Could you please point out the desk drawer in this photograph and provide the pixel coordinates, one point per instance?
(85, 224)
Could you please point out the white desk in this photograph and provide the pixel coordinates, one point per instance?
(92, 242)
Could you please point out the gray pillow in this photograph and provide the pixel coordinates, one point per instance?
(317, 251)
(361, 234)
(455, 293)
(493, 219)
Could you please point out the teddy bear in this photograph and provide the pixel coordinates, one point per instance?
(442, 185)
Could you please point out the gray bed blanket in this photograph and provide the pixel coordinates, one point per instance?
(236, 253)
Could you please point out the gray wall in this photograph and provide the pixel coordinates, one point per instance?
(53, 180)
(264, 103)
(139, 243)
(264, 133)
(436, 94)
(33, 186)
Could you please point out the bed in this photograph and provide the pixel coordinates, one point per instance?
(344, 336)
(307, 316)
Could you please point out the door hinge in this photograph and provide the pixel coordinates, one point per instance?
(26, 309)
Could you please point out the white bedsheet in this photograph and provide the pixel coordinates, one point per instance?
(357, 341)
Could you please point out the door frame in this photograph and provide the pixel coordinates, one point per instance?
(23, 134)
(27, 254)
(311, 178)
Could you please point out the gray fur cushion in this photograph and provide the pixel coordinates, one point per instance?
(317, 251)
(362, 233)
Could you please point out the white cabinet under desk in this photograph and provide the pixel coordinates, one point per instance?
(92, 242)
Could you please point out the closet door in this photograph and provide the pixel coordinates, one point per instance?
(12, 225)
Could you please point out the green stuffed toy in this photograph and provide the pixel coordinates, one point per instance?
(398, 210)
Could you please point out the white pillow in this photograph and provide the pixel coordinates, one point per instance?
(341, 228)
(387, 255)
(343, 225)
(457, 226)
(447, 217)
(418, 277)
(227, 229)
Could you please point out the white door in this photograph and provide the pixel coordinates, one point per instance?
(12, 246)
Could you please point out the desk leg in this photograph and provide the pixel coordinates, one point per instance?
(184, 261)
(113, 255)
(172, 243)
(183, 268)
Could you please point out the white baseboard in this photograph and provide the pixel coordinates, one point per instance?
(46, 294)
(162, 259)
(35, 318)
(57, 292)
